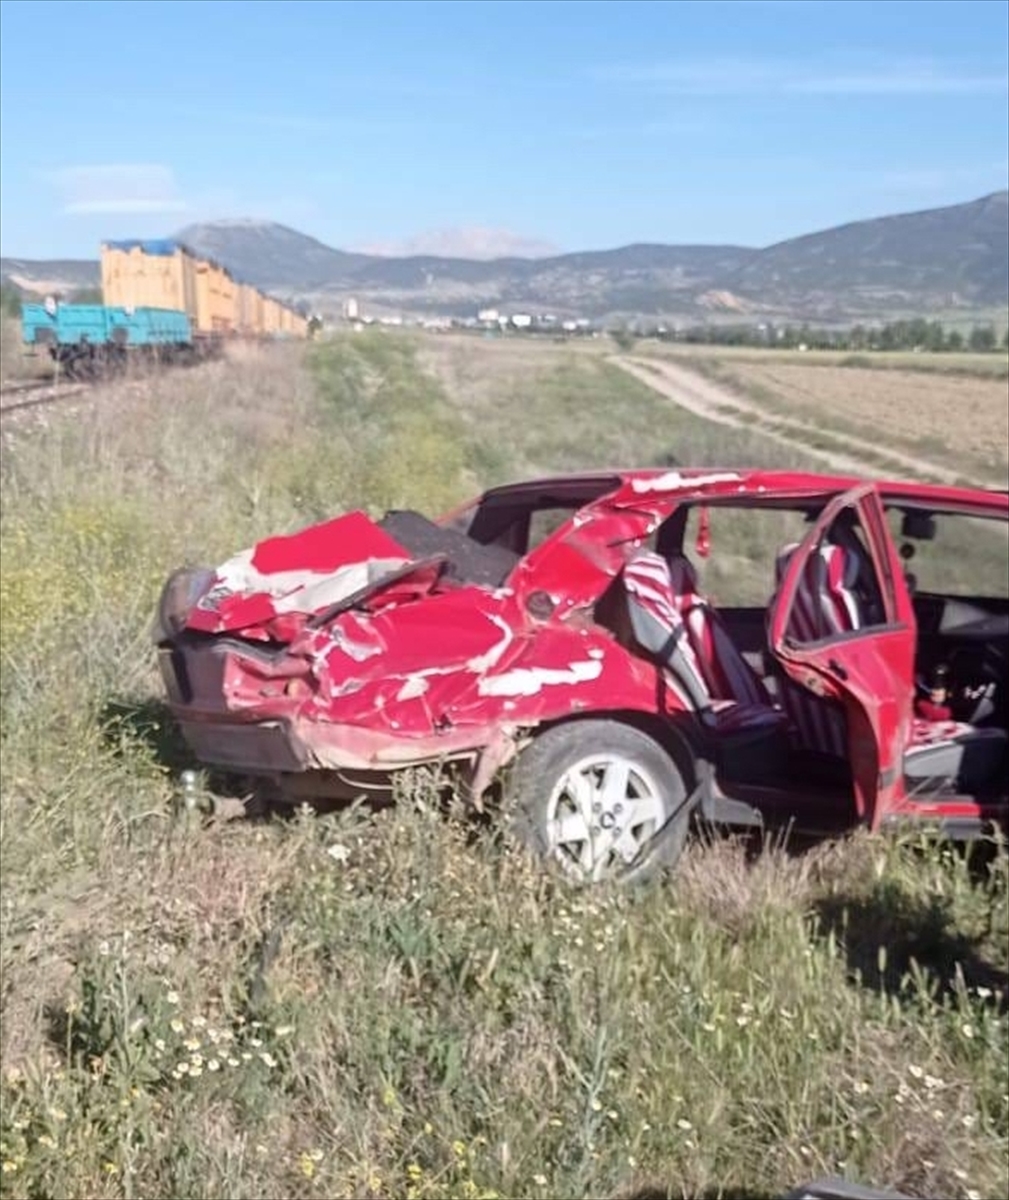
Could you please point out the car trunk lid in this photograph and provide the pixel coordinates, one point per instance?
(271, 591)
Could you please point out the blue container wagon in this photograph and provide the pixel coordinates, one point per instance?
(84, 338)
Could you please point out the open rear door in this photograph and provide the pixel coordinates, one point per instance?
(856, 644)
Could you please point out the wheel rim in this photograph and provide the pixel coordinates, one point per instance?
(602, 813)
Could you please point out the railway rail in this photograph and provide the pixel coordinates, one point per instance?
(36, 393)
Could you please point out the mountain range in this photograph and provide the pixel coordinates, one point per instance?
(940, 261)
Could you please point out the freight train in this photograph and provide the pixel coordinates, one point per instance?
(161, 301)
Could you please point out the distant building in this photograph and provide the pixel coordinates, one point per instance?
(350, 310)
(521, 320)
(488, 316)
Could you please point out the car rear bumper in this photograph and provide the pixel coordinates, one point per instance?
(278, 746)
(266, 747)
(250, 709)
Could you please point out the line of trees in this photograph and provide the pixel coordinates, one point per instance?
(914, 334)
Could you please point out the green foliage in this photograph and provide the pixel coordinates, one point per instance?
(916, 334)
(625, 339)
(982, 339)
(10, 302)
(409, 447)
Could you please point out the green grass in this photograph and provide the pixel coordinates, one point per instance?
(398, 1004)
(993, 365)
(549, 409)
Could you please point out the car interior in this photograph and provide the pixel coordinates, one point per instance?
(699, 595)
(717, 639)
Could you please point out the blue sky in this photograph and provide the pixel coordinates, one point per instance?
(577, 125)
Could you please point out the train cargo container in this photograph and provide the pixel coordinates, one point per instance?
(215, 299)
(271, 317)
(248, 310)
(156, 274)
(85, 337)
(290, 323)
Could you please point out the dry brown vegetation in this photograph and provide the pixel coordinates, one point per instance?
(535, 407)
(16, 360)
(950, 410)
(953, 419)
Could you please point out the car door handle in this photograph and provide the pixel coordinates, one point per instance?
(835, 668)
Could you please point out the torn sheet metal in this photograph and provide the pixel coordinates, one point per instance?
(303, 573)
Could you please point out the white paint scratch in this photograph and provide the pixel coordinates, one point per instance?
(484, 662)
(413, 686)
(527, 681)
(295, 591)
(673, 481)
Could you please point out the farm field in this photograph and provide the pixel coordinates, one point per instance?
(399, 1004)
(994, 365)
(958, 419)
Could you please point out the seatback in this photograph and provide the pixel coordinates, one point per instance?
(826, 600)
(672, 620)
(826, 603)
(658, 626)
(728, 675)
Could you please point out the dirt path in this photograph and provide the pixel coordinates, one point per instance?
(714, 403)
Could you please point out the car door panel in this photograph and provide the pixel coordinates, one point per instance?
(869, 669)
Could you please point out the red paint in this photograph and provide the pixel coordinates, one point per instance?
(347, 539)
(704, 534)
(422, 667)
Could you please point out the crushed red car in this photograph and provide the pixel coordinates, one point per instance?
(616, 653)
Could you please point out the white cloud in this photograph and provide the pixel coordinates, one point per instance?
(874, 77)
(471, 241)
(119, 188)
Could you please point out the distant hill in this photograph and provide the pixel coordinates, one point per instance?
(271, 255)
(63, 275)
(956, 257)
(937, 261)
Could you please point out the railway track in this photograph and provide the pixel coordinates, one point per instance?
(35, 393)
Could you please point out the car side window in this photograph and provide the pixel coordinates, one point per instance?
(743, 545)
(839, 592)
(967, 558)
(545, 521)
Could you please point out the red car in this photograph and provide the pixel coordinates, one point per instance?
(551, 644)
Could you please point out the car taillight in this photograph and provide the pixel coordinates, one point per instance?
(182, 591)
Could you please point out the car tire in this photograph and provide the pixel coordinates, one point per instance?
(600, 801)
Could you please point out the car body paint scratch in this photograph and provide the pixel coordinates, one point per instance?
(674, 481)
(527, 681)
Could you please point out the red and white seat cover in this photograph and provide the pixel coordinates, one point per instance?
(827, 603)
(673, 621)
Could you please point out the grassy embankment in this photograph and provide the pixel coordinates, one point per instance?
(234, 1011)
